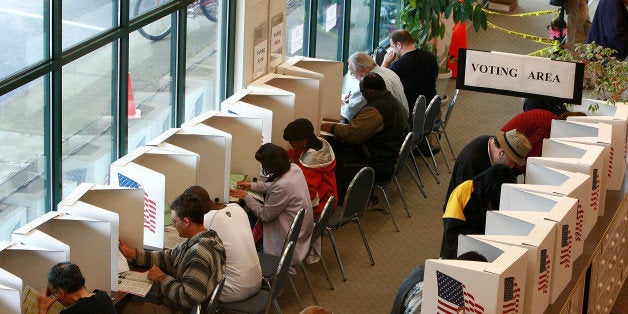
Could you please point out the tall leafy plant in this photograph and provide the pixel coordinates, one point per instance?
(425, 19)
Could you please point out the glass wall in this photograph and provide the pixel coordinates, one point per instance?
(64, 115)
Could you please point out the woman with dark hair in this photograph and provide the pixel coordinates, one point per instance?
(466, 208)
(315, 158)
(285, 193)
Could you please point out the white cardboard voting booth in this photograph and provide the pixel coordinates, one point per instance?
(10, 293)
(560, 210)
(496, 286)
(617, 117)
(306, 92)
(599, 134)
(538, 237)
(127, 203)
(251, 38)
(587, 159)
(14, 275)
(558, 182)
(58, 229)
(163, 172)
(277, 33)
(214, 149)
(247, 134)
(279, 102)
(328, 72)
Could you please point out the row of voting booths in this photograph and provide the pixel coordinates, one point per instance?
(205, 151)
(533, 241)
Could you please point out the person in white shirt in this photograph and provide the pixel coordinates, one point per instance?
(242, 268)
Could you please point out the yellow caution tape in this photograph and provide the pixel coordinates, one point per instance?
(537, 39)
(538, 13)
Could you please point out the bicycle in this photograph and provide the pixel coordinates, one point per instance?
(162, 27)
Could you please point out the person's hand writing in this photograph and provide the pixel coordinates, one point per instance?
(155, 274)
(238, 193)
(326, 127)
(126, 250)
(244, 185)
(45, 301)
(346, 98)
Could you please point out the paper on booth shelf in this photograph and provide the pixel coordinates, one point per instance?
(246, 137)
(214, 149)
(496, 286)
(328, 72)
(135, 283)
(538, 237)
(30, 303)
(617, 117)
(563, 183)
(93, 256)
(306, 91)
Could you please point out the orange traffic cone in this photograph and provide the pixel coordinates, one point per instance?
(458, 40)
(132, 112)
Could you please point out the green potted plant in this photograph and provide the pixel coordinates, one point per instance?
(426, 20)
(604, 75)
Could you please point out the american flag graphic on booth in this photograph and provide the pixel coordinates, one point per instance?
(579, 221)
(544, 272)
(595, 191)
(611, 155)
(565, 247)
(511, 296)
(452, 297)
(150, 207)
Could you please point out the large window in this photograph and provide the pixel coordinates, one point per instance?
(329, 28)
(296, 27)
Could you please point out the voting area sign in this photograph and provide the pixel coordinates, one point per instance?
(519, 75)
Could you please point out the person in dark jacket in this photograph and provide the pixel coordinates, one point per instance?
(610, 26)
(467, 206)
(372, 138)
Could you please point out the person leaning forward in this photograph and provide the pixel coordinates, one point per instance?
(372, 138)
(506, 148)
(186, 275)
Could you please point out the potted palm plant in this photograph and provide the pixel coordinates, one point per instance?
(426, 20)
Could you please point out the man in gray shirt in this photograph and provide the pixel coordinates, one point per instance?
(361, 64)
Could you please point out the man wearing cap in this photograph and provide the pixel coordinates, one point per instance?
(507, 148)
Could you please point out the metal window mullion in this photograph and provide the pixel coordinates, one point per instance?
(55, 136)
(120, 86)
(310, 31)
(375, 21)
(227, 39)
(178, 76)
(343, 53)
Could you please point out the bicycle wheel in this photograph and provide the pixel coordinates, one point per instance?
(210, 9)
(156, 30)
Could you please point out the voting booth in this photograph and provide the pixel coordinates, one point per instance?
(526, 230)
(306, 92)
(563, 183)
(327, 72)
(24, 265)
(164, 172)
(587, 159)
(279, 103)
(247, 134)
(59, 229)
(496, 286)
(213, 147)
(561, 211)
(617, 117)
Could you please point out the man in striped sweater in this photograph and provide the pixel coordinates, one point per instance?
(186, 275)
